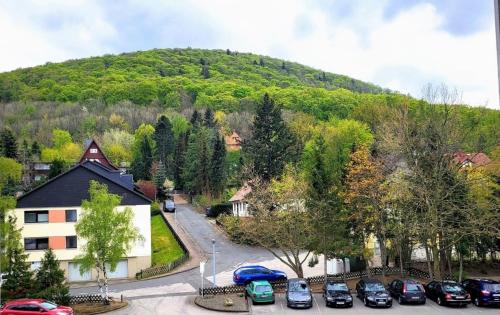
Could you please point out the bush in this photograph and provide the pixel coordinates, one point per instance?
(155, 208)
(59, 295)
(231, 225)
(219, 209)
(201, 201)
(357, 264)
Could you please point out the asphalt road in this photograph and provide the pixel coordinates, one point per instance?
(228, 255)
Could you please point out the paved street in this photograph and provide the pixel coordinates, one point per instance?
(228, 257)
(183, 305)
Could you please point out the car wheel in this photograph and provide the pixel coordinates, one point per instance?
(365, 301)
(400, 300)
(476, 302)
(439, 301)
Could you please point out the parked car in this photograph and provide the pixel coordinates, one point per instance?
(447, 293)
(483, 291)
(260, 292)
(169, 205)
(34, 306)
(407, 291)
(298, 294)
(336, 293)
(245, 275)
(373, 293)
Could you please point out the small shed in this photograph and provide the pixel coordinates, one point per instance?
(240, 206)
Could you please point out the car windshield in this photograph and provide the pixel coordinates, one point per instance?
(263, 288)
(374, 287)
(169, 203)
(298, 287)
(492, 286)
(337, 287)
(413, 287)
(452, 288)
(48, 305)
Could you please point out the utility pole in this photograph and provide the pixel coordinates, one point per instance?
(213, 262)
(497, 27)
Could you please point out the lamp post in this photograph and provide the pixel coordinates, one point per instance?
(213, 261)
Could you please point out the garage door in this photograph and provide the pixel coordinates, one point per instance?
(121, 270)
(74, 273)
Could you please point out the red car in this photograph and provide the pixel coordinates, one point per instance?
(34, 306)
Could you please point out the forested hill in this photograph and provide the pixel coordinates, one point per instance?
(211, 78)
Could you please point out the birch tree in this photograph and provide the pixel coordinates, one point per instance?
(108, 232)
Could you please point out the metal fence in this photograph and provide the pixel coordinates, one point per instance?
(411, 272)
(85, 298)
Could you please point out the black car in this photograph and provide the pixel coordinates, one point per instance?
(447, 293)
(407, 291)
(373, 293)
(336, 293)
(483, 291)
(298, 293)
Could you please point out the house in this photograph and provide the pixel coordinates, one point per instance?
(35, 172)
(94, 153)
(233, 142)
(240, 206)
(48, 213)
(471, 159)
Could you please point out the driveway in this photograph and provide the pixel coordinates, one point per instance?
(228, 257)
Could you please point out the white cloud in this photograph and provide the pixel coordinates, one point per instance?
(403, 53)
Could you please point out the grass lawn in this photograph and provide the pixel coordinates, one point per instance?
(164, 246)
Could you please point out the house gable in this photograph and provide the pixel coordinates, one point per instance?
(94, 153)
(71, 188)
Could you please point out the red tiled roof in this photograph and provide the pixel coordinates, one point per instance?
(478, 159)
(240, 194)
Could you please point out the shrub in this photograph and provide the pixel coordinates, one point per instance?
(155, 208)
(59, 295)
(219, 209)
(201, 201)
(231, 225)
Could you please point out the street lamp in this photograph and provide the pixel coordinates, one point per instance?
(213, 261)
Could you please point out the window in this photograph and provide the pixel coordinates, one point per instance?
(36, 243)
(93, 150)
(36, 217)
(71, 242)
(70, 215)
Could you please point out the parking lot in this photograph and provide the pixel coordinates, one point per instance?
(319, 308)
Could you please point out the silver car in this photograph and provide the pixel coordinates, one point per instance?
(169, 206)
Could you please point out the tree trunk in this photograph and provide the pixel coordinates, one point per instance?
(461, 268)
(428, 259)
(400, 253)
(325, 269)
(383, 257)
(343, 269)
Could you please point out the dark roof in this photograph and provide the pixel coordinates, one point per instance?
(126, 180)
(89, 143)
(71, 188)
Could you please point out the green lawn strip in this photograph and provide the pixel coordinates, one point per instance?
(164, 245)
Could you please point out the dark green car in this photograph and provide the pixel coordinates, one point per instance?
(260, 292)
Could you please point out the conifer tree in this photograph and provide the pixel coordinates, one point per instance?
(141, 165)
(8, 144)
(217, 167)
(205, 72)
(160, 176)
(195, 119)
(18, 281)
(35, 150)
(196, 171)
(209, 120)
(272, 145)
(57, 167)
(164, 139)
(180, 150)
(261, 62)
(49, 274)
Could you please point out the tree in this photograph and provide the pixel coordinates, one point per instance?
(195, 119)
(57, 167)
(272, 145)
(164, 139)
(280, 222)
(141, 165)
(209, 120)
(109, 234)
(35, 150)
(160, 176)
(325, 206)
(196, 172)
(18, 282)
(8, 144)
(49, 274)
(205, 72)
(179, 154)
(217, 167)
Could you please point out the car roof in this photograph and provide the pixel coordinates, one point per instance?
(485, 280)
(25, 301)
(297, 280)
(251, 267)
(371, 280)
(335, 281)
(261, 282)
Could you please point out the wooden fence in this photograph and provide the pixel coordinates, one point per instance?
(411, 272)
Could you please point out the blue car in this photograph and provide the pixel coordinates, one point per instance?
(483, 291)
(247, 274)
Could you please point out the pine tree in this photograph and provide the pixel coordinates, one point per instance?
(35, 150)
(272, 144)
(49, 274)
(228, 52)
(283, 66)
(164, 139)
(8, 144)
(209, 120)
(261, 62)
(141, 165)
(196, 170)
(160, 176)
(205, 72)
(57, 167)
(180, 151)
(195, 119)
(218, 167)
(19, 275)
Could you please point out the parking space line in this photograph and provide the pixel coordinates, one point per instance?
(315, 302)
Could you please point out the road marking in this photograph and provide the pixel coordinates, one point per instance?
(282, 309)
(315, 302)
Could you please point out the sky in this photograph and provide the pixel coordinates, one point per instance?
(397, 44)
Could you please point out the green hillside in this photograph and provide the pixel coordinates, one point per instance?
(208, 78)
